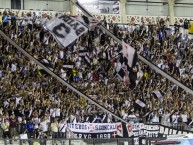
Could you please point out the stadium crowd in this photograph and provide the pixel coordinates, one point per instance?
(35, 103)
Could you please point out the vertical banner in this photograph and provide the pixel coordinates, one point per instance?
(130, 129)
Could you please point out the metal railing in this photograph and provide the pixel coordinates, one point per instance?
(119, 141)
(44, 141)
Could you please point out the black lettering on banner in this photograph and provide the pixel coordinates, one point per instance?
(76, 126)
(65, 18)
(80, 135)
(70, 21)
(79, 31)
(61, 30)
(85, 135)
(75, 25)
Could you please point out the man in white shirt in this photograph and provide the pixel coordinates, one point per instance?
(175, 118)
(155, 118)
(62, 127)
(44, 125)
(166, 117)
(184, 117)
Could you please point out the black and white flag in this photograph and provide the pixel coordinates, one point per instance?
(47, 64)
(83, 53)
(140, 103)
(129, 53)
(88, 59)
(69, 65)
(158, 94)
(120, 74)
(66, 29)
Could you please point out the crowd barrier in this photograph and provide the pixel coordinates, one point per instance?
(134, 131)
(108, 134)
(125, 141)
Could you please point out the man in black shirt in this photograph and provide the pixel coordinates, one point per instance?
(186, 27)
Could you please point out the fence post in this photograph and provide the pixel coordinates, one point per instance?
(93, 141)
(117, 141)
(69, 141)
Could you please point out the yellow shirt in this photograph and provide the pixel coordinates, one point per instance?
(54, 127)
(36, 143)
(5, 126)
(146, 75)
(191, 28)
(74, 72)
(0, 19)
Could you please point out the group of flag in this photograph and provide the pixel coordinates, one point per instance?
(66, 29)
(127, 68)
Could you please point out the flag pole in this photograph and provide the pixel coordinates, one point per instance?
(57, 77)
(143, 59)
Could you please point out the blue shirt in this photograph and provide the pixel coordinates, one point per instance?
(5, 19)
(30, 127)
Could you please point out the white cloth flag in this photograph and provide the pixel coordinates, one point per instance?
(140, 103)
(65, 29)
(128, 52)
(158, 95)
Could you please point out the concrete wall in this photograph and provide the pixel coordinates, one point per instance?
(55, 5)
(183, 8)
(133, 8)
(5, 3)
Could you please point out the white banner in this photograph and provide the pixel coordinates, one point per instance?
(92, 127)
(100, 6)
(65, 29)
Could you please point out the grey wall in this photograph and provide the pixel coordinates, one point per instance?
(159, 9)
(5, 3)
(132, 8)
(55, 5)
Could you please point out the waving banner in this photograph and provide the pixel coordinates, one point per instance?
(65, 29)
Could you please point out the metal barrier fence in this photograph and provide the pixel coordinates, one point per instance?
(120, 141)
(181, 126)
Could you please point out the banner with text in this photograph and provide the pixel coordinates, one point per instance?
(65, 29)
(96, 130)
